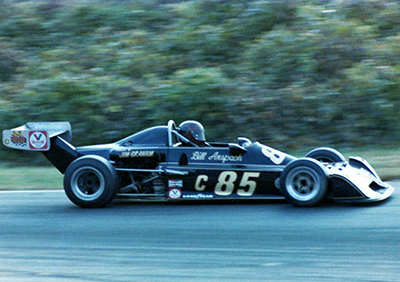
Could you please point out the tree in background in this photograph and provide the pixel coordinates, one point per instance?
(288, 73)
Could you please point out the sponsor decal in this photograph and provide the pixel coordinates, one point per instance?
(18, 139)
(198, 156)
(175, 183)
(198, 196)
(38, 140)
(224, 158)
(48, 125)
(175, 193)
(136, 154)
(216, 157)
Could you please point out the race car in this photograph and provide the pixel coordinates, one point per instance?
(176, 163)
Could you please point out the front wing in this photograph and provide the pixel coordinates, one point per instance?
(356, 182)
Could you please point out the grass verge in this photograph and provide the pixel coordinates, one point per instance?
(30, 178)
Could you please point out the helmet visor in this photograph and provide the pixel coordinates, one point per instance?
(198, 134)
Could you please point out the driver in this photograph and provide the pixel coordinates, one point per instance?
(194, 131)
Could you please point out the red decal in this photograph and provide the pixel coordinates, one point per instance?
(38, 140)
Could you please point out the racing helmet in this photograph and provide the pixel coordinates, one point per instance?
(194, 131)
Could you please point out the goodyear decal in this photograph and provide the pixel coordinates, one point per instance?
(198, 196)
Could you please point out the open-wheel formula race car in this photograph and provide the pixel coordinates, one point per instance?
(164, 162)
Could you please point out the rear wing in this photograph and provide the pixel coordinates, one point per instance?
(35, 136)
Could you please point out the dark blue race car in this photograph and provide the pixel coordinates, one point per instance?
(176, 163)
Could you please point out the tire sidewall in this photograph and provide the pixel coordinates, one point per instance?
(329, 155)
(314, 172)
(99, 169)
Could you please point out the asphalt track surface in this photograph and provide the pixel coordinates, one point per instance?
(44, 237)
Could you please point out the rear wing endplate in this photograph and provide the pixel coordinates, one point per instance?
(35, 136)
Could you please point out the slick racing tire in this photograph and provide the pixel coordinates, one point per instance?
(326, 155)
(304, 182)
(90, 182)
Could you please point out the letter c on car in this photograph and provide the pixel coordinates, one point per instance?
(200, 185)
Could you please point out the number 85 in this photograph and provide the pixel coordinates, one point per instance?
(226, 183)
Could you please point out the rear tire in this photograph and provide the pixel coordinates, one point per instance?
(304, 182)
(90, 182)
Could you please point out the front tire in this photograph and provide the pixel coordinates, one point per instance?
(90, 182)
(326, 155)
(304, 182)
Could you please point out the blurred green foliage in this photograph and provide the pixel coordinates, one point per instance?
(287, 73)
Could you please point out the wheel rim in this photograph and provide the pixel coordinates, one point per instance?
(303, 184)
(87, 183)
(325, 160)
